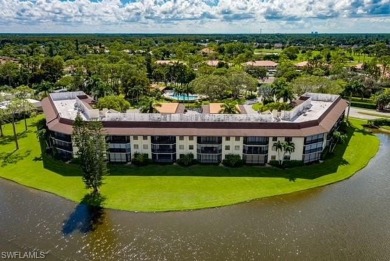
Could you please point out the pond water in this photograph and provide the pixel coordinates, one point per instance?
(349, 220)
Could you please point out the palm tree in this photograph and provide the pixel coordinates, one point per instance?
(14, 108)
(282, 90)
(338, 137)
(149, 105)
(278, 146)
(288, 148)
(229, 108)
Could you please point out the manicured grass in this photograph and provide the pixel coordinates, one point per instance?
(167, 188)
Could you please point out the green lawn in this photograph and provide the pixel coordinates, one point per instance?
(167, 188)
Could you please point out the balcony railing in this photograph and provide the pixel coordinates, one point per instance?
(61, 137)
(68, 148)
(211, 152)
(216, 140)
(255, 142)
(163, 151)
(118, 139)
(314, 141)
(255, 149)
(164, 140)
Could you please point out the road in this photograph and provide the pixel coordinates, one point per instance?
(360, 113)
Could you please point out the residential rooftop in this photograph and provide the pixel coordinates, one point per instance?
(309, 106)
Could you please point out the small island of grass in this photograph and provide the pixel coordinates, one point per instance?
(172, 188)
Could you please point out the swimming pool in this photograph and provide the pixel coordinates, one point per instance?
(184, 97)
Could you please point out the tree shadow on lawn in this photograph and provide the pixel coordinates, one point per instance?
(311, 171)
(87, 216)
(13, 157)
(7, 139)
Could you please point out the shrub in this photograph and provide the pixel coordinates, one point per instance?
(379, 122)
(186, 160)
(286, 164)
(140, 159)
(364, 105)
(233, 160)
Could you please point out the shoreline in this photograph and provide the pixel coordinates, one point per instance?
(161, 190)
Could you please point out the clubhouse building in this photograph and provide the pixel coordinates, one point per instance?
(208, 135)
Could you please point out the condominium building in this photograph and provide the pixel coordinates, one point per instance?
(208, 135)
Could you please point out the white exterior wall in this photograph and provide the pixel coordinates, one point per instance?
(233, 144)
(186, 142)
(141, 142)
(296, 155)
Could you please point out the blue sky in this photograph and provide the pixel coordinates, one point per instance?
(194, 16)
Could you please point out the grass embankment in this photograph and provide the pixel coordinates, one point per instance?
(167, 188)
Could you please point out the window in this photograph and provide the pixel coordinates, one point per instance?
(273, 157)
(288, 139)
(191, 147)
(287, 157)
(227, 147)
(145, 146)
(181, 147)
(135, 137)
(227, 138)
(274, 138)
(237, 147)
(145, 137)
(191, 138)
(136, 146)
(181, 137)
(237, 138)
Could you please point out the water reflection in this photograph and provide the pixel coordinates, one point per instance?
(87, 215)
(344, 221)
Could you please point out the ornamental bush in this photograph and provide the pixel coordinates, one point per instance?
(186, 160)
(233, 160)
(140, 159)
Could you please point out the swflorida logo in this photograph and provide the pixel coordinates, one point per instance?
(23, 255)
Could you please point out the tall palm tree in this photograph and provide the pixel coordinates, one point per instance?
(149, 105)
(288, 148)
(278, 146)
(338, 137)
(229, 108)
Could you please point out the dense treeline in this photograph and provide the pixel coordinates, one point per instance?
(136, 67)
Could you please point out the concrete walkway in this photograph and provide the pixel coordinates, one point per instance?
(360, 113)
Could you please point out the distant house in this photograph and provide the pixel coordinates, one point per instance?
(207, 51)
(168, 62)
(271, 66)
(301, 65)
(5, 59)
(215, 108)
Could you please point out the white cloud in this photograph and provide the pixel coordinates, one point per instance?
(187, 16)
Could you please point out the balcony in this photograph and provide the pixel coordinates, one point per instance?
(61, 137)
(118, 139)
(209, 140)
(164, 158)
(164, 140)
(209, 158)
(261, 149)
(256, 140)
(164, 148)
(68, 148)
(209, 149)
(314, 141)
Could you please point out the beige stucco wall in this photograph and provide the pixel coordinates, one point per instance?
(186, 142)
(232, 143)
(141, 142)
